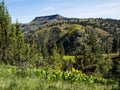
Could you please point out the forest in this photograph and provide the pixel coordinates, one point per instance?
(55, 52)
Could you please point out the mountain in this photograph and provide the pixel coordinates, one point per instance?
(72, 33)
(42, 21)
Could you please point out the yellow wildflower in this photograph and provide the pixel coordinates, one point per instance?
(73, 69)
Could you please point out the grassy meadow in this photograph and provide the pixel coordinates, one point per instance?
(29, 78)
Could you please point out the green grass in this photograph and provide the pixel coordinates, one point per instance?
(13, 78)
(35, 83)
(112, 55)
(71, 28)
(75, 27)
(69, 58)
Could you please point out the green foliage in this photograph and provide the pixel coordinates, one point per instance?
(118, 67)
(5, 31)
(56, 58)
(15, 78)
(69, 58)
(86, 61)
(116, 70)
(12, 46)
(20, 45)
(90, 60)
(105, 66)
(95, 43)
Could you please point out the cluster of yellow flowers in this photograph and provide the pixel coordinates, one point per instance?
(76, 70)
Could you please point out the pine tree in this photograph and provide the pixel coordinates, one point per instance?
(62, 52)
(44, 50)
(20, 45)
(116, 70)
(118, 66)
(92, 62)
(55, 59)
(12, 47)
(94, 42)
(5, 31)
(85, 60)
(40, 61)
(34, 52)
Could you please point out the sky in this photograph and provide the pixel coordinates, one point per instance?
(26, 10)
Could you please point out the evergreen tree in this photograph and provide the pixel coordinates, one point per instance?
(62, 52)
(44, 50)
(18, 50)
(5, 31)
(118, 66)
(12, 45)
(40, 61)
(20, 45)
(56, 58)
(92, 62)
(34, 52)
(85, 60)
(94, 42)
(104, 64)
(116, 70)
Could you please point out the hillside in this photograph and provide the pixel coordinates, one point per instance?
(72, 33)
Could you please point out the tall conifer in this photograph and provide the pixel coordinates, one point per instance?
(5, 30)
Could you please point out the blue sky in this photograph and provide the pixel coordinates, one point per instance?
(26, 10)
